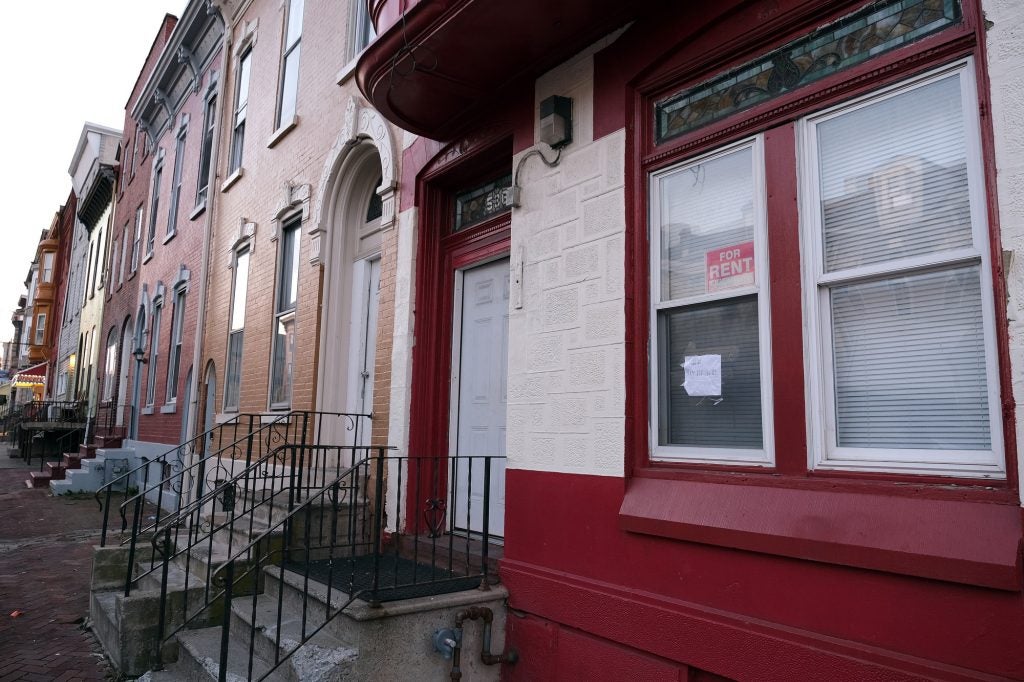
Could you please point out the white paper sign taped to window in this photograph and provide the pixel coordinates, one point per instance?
(703, 374)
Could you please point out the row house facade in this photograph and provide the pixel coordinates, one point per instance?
(93, 173)
(726, 297)
(762, 302)
(59, 353)
(302, 245)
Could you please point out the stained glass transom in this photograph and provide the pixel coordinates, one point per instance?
(873, 30)
(482, 202)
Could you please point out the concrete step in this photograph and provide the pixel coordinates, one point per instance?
(87, 451)
(72, 461)
(56, 471)
(199, 659)
(38, 479)
(390, 638)
(323, 656)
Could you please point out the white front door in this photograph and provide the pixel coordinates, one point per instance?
(366, 346)
(479, 393)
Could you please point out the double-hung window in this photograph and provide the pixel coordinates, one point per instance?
(290, 64)
(284, 318)
(174, 356)
(179, 159)
(241, 108)
(203, 181)
(48, 266)
(236, 334)
(110, 366)
(710, 391)
(137, 241)
(153, 207)
(40, 329)
(898, 282)
(154, 353)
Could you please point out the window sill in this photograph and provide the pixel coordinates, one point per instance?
(970, 542)
(347, 70)
(169, 408)
(232, 179)
(281, 132)
(197, 211)
(147, 410)
(148, 257)
(168, 237)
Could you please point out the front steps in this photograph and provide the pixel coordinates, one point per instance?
(58, 472)
(86, 471)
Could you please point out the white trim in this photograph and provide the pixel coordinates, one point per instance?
(764, 456)
(823, 452)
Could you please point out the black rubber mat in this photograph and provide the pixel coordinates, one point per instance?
(400, 578)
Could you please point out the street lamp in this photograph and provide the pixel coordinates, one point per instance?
(140, 355)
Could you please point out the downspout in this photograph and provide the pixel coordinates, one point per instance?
(211, 208)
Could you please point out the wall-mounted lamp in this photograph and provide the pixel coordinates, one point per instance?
(72, 361)
(139, 354)
(556, 121)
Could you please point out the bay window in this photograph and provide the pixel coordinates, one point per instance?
(900, 363)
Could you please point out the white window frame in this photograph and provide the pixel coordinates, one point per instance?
(236, 332)
(154, 205)
(823, 453)
(176, 180)
(48, 258)
(287, 50)
(206, 149)
(283, 315)
(240, 117)
(137, 242)
(154, 352)
(765, 456)
(39, 329)
(174, 350)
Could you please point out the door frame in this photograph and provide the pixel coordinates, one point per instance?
(440, 253)
(458, 315)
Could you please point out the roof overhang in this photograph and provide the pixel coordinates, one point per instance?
(437, 63)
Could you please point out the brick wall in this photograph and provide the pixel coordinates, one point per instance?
(293, 176)
(122, 298)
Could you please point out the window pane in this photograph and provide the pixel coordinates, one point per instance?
(726, 334)
(289, 86)
(243, 81)
(281, 376)
(289, 282)
(234, 374)
(707, 226)
(294, 23)
(894, 178)
(910, 362)
(241, 290)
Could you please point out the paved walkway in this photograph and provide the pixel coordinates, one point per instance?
(45, 565)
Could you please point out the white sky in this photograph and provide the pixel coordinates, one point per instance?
(65, 62)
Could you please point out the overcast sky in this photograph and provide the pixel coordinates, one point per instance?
(65, 62)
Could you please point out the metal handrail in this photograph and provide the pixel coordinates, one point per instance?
(126, 477)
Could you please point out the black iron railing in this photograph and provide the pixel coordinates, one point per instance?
(42, 423)
(238, 474)
(383, 529)
(216, 439)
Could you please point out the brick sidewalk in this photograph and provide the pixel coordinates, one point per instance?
(45, 565)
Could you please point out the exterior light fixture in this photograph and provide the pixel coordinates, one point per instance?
(72, 361)
(556, 121)
(139, 354)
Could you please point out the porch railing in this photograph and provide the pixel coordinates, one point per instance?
(385, 528)
(240, 472)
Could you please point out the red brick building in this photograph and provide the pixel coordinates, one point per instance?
(121, 302)
(175, 109)
(58, 387)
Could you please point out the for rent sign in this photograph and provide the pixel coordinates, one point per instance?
(730, 267)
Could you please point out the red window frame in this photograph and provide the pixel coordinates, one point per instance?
(701, 502)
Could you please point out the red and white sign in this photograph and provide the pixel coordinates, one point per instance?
(730, 267)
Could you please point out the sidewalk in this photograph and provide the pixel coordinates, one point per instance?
(45, 566)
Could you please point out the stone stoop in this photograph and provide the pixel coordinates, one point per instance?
(86, 471)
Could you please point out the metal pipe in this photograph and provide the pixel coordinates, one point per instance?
(486, 657)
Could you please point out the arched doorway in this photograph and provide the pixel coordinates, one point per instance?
(124, 367)
(352, 280)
